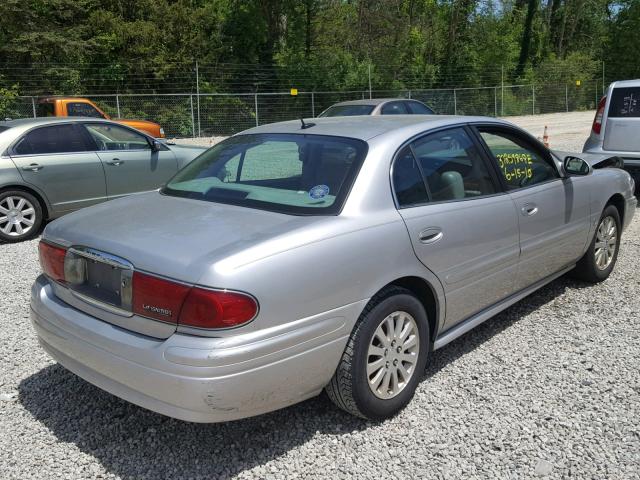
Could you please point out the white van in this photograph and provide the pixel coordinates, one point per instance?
(616, 126)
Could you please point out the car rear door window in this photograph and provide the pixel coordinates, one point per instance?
(79, 109)
(453, 166)
(408, 183)
(394, 108)
(65, 138)
(520, 163)
(625, 102)
(418, 108)
(114, 137)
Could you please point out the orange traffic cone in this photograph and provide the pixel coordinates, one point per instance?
(545, 137)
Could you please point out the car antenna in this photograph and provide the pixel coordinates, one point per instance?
(306, 125)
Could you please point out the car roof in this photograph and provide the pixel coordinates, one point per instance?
(37, 121)
(626, 83)
(371, 101)
(365, 127)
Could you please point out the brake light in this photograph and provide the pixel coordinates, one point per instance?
(217, 309)
(174, 302)
(597, 121)
(52, 260)
(157, 298)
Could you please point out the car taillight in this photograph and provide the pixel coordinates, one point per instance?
(157, 298)
(217, 309)
(173, 302)
(52, 260)
(597, 121)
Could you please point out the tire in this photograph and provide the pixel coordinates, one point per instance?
(20, 216)
(594, 267)
(350, 386)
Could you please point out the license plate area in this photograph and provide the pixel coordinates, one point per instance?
(100, 279)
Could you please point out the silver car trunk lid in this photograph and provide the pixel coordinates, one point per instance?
(171, 237)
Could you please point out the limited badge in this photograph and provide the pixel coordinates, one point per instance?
(319, 191)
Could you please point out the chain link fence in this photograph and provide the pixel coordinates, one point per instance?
(217, 114)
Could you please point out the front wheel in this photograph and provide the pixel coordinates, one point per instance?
(597, 263)
(20, 216)
(384, 357)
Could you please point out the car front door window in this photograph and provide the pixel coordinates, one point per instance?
(520, 164)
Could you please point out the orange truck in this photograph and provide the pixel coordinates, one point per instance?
(83, 107)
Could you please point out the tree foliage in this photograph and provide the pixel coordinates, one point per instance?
(91, 46)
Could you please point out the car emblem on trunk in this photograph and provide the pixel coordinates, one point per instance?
(162, 311)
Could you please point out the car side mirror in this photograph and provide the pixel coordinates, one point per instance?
(575, 166)
(156, 146)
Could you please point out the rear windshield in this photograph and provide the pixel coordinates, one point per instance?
(347, 110)
(624, 103)
(288, 173)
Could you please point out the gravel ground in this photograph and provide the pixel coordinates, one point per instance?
(549, 388)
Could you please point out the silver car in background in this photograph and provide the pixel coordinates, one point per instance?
(377, 106)
(53, 166)
(616, 126)
(300, 256)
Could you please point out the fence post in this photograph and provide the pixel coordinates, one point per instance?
(566, 96)
(313, 105)
(118, 105)
(495, 101)
(193, 121)
(533, 99)
(255, 103)
(33, 104)
(198, 96)
(370, 80)
(502, 91)
(455, 103)
(409, 94)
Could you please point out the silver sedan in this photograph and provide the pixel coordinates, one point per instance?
(53, 166)
(299, 256)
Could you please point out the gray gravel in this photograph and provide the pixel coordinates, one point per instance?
(550, 388)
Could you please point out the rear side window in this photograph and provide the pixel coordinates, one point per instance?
(394, 108)
(453, 166)
(418, 108)
(79, 109)
(45, 110)
(624, 103)
(53, 139)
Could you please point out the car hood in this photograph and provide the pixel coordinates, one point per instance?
(175, 237)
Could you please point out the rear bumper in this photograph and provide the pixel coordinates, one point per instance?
(198, 379)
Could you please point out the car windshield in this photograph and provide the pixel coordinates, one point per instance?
(347, 110)
(288, 173)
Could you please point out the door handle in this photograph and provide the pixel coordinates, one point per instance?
(529, 209)
(34, 167)
(116, 162)
(430, 235)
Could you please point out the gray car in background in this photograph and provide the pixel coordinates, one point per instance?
(377, 106)
(616, 126)
(50, 166)
(299, 256)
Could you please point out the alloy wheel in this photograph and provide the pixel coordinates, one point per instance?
(17, 216)
(606, 242)
(392, 355)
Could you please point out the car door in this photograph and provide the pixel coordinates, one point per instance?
(59, 161)
(130, 164)
(553, 212)
(462, 227)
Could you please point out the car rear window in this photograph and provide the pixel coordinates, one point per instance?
(289, 173)
(347, 110)
(624, 102)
